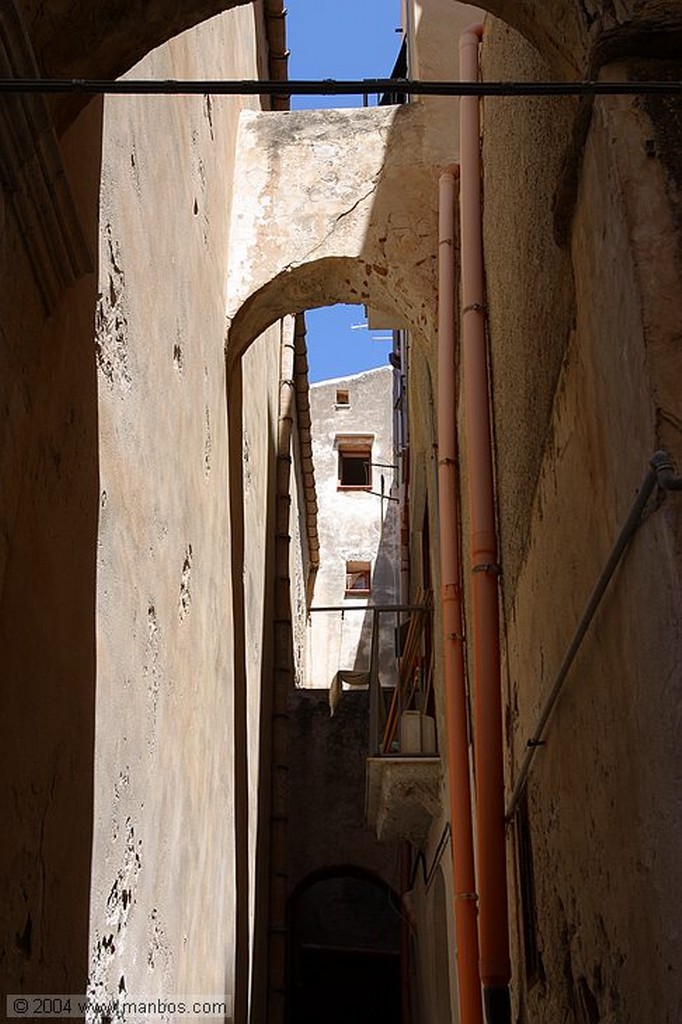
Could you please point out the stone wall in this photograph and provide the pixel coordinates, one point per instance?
(581, 349)
(327, 789)
(163, 898)
(48, 536)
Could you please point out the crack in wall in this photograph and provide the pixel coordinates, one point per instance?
(341, 216)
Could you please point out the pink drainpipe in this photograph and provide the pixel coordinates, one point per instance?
(470, 1009)
(495, 966)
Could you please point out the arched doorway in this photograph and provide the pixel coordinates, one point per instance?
(344, 963)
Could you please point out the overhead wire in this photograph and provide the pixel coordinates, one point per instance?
(331, 87)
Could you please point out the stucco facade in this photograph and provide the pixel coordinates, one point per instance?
(161, 538)
(358, 526)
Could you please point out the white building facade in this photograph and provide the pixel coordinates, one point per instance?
(358, 523)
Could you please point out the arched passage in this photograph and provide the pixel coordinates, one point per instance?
(338, 288)
(330, 207)
(326, 282)
(335, 206)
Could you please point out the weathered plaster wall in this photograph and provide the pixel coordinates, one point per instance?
(433, 31)
(433, 941)
(582, 399)
(163, 898)
(261, 366)
(327, 788)
(48, 523)
(72, 39)
(434, 944)
(353, 526)
(529, 282)
(584, 343)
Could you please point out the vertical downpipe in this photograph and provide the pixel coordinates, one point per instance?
(402, 461)
(451, 604)
(240, 753)
(491, 860)
(405, 989)
(283, 678)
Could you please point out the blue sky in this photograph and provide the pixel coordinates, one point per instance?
(341, 39)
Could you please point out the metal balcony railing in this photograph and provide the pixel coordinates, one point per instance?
(414, 658)
(414, 693)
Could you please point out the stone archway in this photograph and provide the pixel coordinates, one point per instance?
(329, 206)
(99, 39)
(335, 206)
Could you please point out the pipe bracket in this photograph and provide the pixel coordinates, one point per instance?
(475, 307)
(664, 467)
(491, 567)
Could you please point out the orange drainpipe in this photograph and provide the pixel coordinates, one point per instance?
(470, 1011)
(491, 865)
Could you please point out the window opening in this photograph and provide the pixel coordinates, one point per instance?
(355, 467)
(342, 398)
(358, 578)
(534, 971)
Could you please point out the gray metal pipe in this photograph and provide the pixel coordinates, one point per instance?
(369, 608)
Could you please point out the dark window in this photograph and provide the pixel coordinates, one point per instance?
(355, 467)
(343, 397)
(534, 971)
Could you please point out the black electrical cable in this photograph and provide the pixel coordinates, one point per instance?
(332, 87)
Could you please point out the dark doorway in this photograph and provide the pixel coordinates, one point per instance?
(344, 952)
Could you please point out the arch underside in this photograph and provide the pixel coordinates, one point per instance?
(324, 282)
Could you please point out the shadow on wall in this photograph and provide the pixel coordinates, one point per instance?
(385, 590)
(48, 523)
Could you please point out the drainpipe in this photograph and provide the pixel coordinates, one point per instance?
(451, 604)
(282, 680)
(278, 55)
(401, 459)
(495, 963)
(235, 386)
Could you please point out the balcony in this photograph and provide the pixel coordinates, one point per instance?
(403, 778)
